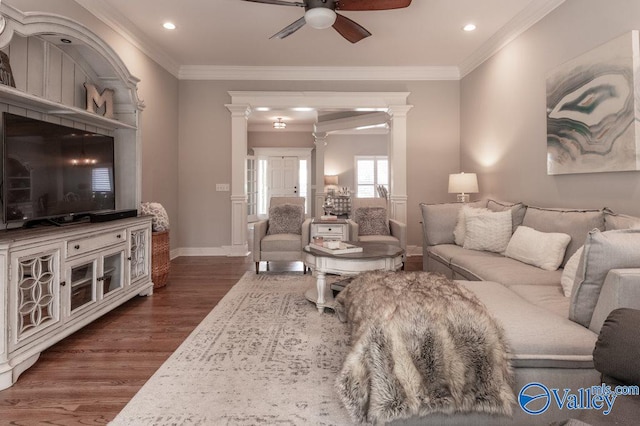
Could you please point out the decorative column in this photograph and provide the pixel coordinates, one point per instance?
(239, 115)
(398, 161)
(320, 143)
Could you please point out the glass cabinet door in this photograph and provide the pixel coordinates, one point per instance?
(112, 277)
(83, 279)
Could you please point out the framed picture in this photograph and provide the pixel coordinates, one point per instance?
(593, 110)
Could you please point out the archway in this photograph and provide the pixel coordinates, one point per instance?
(242, 103)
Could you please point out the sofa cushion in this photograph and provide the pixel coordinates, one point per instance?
(569, 272)
(371, 221)
(517, 211)
(613, 221)
(285, 219)
(603, 251)
(460, 230)
(542, 249)
(281, 242)
(487, 266)
(576, 223)
(537, 337)
(439, 221)
(388, 239)
(488, 231)
(549, 297)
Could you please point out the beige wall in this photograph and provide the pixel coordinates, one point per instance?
(503, 122)
(205, 151)
(340, 152)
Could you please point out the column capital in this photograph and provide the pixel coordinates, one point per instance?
(239, 110)
(399, 110)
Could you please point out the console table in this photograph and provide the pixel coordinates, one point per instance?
(54, 281)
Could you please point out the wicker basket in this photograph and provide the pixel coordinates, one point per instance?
(160, 259)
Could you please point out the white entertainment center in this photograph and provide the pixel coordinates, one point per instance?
(55, 280)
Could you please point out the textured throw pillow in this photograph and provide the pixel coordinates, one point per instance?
(371, 221)
(570, 271)
(576, 223)
(488, 231)
(603, 251)
(461, 226)
(285, 219)
(517, 211)
(542, 249)
(160, 219)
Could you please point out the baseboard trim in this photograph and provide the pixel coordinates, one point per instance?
(227, 251)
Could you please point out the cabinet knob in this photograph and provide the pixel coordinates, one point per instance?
(63, 283)
(129, 258)
(118, 236)
(77, 247)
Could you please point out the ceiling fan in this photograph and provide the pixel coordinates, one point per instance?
(321, 14)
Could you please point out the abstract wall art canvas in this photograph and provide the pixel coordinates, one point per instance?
(593, 110)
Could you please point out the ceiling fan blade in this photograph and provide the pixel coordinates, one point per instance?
(289, 29)
(371, 4)
(349, 29)
(278, 2)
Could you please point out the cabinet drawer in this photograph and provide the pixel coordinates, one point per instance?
(329, 229)
(86, 245)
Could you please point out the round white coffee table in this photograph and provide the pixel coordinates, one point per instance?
(373, 257)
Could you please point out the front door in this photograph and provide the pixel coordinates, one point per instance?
(282, 180)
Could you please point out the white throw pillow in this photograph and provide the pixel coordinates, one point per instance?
(461, 226)
(570, 271)
(542, 249)
(488, 231)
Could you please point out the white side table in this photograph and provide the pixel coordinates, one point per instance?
(336, 229)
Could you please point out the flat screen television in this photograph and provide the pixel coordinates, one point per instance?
(54, 172)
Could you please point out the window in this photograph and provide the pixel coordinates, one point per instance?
(101, 179)
(371, 171)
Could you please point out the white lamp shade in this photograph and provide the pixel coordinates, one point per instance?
(320, 17)
(463, 183)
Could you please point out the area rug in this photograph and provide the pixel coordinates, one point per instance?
(263, 356)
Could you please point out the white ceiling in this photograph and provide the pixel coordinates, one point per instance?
(229, 39)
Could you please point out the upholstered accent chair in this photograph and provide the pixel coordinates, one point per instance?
(369, 221)
(284, 234)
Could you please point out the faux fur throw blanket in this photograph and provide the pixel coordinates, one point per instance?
(420, 344)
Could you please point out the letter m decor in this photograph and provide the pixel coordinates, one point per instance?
(97, 100)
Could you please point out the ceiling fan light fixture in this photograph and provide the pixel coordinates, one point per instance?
(279, 124)
(320, 17)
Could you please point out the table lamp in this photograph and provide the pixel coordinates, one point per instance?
(463, 184)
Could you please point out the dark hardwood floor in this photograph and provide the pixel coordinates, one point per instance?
(87, 378)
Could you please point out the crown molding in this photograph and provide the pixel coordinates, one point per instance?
(533, 13)
(130, 32)
(529, 16)
(291, 73)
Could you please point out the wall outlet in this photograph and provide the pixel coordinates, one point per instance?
(222, 187)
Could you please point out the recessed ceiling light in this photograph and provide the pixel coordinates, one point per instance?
(262, 109)
(469, 27)
(302, 109)
(169, 26)
(65, 40)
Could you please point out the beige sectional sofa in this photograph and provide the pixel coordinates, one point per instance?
(546, 345)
